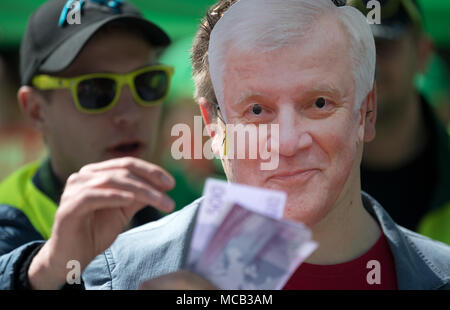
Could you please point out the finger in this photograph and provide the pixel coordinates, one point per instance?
(143, 192)
(94, 199)
(148, 171)
(132, 210)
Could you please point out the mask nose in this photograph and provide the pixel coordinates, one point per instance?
(293, 137)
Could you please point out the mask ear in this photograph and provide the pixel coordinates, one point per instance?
(32, 104)
(369, 114)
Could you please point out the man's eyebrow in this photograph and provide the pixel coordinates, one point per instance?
(324, 88)
(248, 95)
(316, 88)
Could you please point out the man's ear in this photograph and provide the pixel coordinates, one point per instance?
(425, 49)
(32, 104)
(369, 114)
(210, 119)
(208, 114)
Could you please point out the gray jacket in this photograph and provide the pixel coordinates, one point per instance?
(162, 247)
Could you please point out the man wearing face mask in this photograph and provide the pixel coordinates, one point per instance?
(308, 66)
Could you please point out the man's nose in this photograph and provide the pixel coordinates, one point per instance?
(293, 134)
(126, 111)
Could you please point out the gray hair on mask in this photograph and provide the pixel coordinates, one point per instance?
(268, 25)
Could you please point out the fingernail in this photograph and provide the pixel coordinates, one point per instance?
(167, 180)
(168, 203)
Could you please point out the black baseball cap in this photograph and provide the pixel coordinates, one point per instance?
(52, 40)
(396, 17)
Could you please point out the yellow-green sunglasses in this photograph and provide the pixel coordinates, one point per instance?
(99, 92)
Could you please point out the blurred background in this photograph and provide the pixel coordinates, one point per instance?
(20, 144)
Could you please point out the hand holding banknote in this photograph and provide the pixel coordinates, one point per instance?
(240, 241)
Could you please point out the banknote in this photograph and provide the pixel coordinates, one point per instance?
(249, 250)
(218, 198)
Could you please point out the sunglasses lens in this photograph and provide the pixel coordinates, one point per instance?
(96, 93)
(152, 85)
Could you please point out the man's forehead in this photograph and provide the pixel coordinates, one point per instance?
(117, 50)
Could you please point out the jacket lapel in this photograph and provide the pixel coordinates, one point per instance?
(414, 269)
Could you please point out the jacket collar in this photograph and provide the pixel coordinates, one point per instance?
(47, 182)
(414, 268)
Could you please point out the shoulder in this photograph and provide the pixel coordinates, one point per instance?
(435, 253)
(15, 229)
(9, 212)
(11, 262)
(19, 176)
(144, 252)
(414, 254)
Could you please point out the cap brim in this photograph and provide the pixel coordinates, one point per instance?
(66, 53)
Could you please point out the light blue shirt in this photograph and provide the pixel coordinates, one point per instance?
(161, 247)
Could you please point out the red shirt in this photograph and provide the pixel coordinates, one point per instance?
(374, 270)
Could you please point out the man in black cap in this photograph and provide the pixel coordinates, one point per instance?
(93, 87)
(407, 166)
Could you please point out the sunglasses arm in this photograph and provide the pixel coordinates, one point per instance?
(45, 82)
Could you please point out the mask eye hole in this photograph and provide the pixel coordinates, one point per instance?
(257, 109)
(320, 103)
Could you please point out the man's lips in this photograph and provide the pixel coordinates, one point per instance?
(126, 148)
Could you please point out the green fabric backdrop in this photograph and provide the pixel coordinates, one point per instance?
(178, 17)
